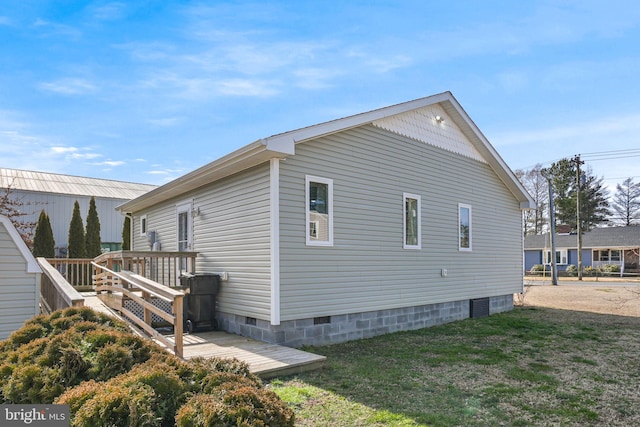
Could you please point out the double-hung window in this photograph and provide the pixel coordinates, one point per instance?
(464, 227)
(319, 211)
(561, 257)
(411, 220)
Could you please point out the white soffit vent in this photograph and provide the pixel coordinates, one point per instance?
(432, 126)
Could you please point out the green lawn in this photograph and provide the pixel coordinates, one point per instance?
(522, 368)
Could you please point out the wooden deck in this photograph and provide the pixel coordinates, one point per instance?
(264, 359)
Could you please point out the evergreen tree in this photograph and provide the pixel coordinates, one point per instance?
(43, 241)
(626, 203)
(126, 234)
(594, 206)
(92, 236)
(77, 245)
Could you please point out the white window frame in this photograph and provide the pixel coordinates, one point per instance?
(460, 207)
(329, 183)
(562, 256)
(143, 225)
(405, 245)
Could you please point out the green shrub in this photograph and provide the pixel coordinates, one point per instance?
(589, 271)
(235, 404)
(572, 270)
(110, 377)
(537, 268)
(610, 268)
(115, 405)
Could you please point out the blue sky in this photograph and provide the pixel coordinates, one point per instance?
(146, 91)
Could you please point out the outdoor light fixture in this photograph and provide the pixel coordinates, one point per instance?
(439, 119)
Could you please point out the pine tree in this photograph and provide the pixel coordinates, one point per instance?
(43, 241)
(126, 234)
(77, 245)
(92, 236)
(594, 206)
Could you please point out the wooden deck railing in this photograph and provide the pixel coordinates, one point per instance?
(114, 287)
(161, 267)
(76, 271)
(55, 291)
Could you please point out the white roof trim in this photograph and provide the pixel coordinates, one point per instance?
(32, 264)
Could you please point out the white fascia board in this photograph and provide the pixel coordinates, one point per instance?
(494, 159)
(32, 264)
(241, 159)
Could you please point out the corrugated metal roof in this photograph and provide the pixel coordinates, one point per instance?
(44, 182)
(605, 237)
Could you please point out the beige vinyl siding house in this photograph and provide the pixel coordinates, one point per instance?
(19, 280)
(398, 218)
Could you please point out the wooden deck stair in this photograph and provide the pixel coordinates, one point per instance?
(264, 359)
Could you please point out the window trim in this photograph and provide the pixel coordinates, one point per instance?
(329, 182)
(460, 247)
(416, 197)
(562, 253)
(143, 225)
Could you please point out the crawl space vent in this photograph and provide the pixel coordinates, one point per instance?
(478, 308)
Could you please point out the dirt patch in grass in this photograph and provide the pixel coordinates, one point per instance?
(604, 298)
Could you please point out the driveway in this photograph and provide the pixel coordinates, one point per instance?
(605, 296)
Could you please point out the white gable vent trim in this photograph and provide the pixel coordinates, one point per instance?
(432, 126)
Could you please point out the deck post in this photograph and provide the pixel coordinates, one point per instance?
(178, 325)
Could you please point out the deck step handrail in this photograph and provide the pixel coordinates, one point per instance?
(105, 282)
(55, 292)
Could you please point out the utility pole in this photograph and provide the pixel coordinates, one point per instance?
(578, 224)
(552, 224)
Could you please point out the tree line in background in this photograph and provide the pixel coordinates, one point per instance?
(568, 180)
(82, 242)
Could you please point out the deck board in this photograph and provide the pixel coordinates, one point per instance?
(264, 359)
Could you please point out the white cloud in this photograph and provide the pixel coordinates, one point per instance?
(63, 150)
(165, 122)
(70, 86)
(247, 87)
(110, 11)
(112, 163)
(54, 29)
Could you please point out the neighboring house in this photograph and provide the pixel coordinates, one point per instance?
(19, 280)
(393, 219)
(56, 194)
(600, 246)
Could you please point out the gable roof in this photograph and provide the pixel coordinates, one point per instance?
(43, 182)
(283, 145)
(605, 238)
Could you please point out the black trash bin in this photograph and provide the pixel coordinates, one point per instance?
(200, 301)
